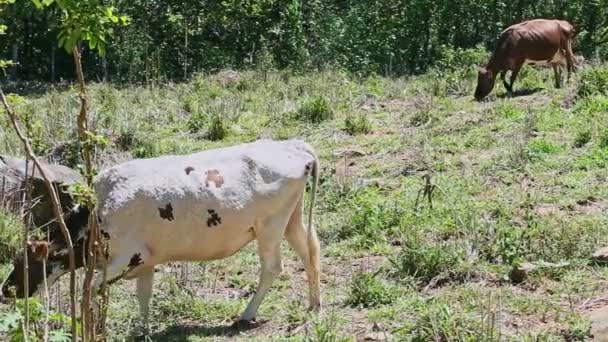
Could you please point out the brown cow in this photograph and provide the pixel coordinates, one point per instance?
(539, 40)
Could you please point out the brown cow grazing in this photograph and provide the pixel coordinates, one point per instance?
(538, 40)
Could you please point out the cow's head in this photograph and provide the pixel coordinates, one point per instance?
(56, 253)
(485, 83)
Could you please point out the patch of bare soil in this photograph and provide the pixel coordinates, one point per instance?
(590, 206)
(596, 310)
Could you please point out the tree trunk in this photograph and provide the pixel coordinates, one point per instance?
(14, 59)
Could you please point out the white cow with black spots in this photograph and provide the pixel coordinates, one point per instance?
(207, 206)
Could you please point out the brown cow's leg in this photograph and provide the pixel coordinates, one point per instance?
(558, 75)
(503, 75)
(515, 72)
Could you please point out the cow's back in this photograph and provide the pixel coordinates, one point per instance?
(200, 206)
(532, 40)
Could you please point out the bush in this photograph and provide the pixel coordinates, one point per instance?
(367, 291)
(594, 81)
(316, 110)
(357, 124)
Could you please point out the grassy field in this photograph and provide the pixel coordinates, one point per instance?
(520, 183)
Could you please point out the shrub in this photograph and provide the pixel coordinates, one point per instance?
(594, 81)
(367, 291)
(357, 124)
(316, 110)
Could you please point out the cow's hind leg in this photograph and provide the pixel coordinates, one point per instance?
(308, 250)
(557, 74)
(269, 234)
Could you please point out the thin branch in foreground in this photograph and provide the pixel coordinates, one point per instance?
(57, 211)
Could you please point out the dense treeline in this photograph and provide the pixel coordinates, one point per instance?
(171, 39)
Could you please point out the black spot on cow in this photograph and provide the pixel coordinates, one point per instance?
(105, 235)
(189, 169)
(135, 260)
(166, 212)
(214, 219)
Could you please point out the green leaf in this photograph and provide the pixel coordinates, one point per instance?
(38, 4)
(10, 321)
(59, 336)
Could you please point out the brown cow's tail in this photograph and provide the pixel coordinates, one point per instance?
(569, 32)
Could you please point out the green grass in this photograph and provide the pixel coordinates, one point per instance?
(513, 177)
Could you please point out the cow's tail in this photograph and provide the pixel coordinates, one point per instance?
(311, 234)
(314, 253)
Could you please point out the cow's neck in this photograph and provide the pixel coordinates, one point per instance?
(494, 65)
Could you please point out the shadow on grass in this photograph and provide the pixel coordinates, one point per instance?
(182, 332)
(521, 92)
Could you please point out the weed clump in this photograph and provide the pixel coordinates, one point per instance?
(594, 81)
(316, 110)
(357, 124)
(424, 262)
(582, 138)
(440, 322)
(216, 128)
(367, 291)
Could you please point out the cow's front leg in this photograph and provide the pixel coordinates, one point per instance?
(145, 280)
(115, 270)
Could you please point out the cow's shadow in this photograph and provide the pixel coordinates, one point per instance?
(521, 92)
(182, 332)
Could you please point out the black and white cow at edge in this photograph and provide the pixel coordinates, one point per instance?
(203, 206)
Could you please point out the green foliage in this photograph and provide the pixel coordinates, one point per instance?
(84, 20)
(367, 291)
(316, 110)
(357, 124)
(440, 322)
(217, 128)
(582, 138)
(373, 219)
(11, 323)
(363, 37)
(197, 122)
(325, 329)
(594, 81)
(425, 261)
(11, 232)
(213, 125)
